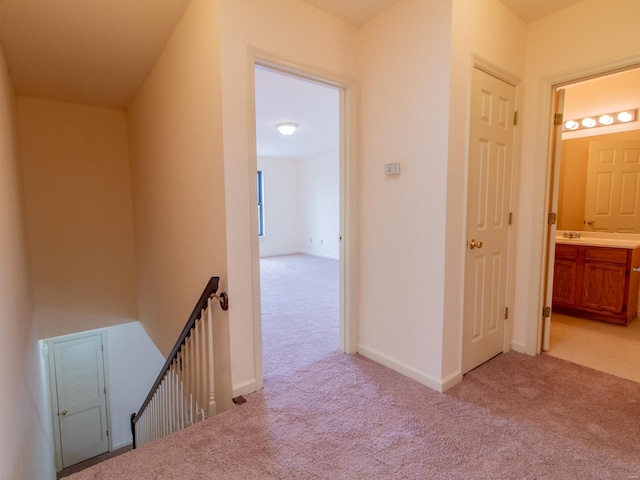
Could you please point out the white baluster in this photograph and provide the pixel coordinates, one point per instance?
(210, 361)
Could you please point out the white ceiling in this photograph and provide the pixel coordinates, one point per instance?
(315, 108)
(98, 52)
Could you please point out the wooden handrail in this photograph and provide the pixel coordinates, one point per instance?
(209, 291)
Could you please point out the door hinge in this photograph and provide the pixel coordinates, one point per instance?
(506, 313)
(552, 218)
(107, 433)
(105, 390)
(557, 119)
(515, 118)
(546, 312)
(510, 218)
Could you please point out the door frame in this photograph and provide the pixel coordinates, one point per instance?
(54, 393)
(348, 153)
(549, 86)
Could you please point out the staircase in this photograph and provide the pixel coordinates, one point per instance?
(183, 394)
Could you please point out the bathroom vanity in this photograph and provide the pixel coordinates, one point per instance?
(597, 276)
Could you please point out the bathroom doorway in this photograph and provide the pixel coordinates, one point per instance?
(596, 344)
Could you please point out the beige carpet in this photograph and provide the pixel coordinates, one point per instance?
(613, 349)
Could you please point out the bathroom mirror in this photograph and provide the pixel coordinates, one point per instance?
(591, 97)
(580, 192)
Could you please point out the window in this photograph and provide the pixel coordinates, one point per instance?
(260, 205)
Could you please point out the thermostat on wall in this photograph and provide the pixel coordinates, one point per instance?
(392, 168)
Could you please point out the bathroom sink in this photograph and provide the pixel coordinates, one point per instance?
(596, 239)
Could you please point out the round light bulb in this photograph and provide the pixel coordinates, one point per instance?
(605, 119)
(588, 122)
(625, 117)
(571, 125)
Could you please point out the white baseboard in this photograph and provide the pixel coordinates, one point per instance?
(278, 254)
(518, 347)
(120, 445)
(245, 388)
(439, 385)
(321, 255)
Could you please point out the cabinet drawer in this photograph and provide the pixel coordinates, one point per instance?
(566, 252)
(608, 255)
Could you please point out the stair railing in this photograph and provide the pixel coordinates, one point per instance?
(183, 394)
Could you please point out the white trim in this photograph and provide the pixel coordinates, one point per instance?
(245, 388)
(437, 384)
(347, 88)
(548, 86)
(519, 347)
(494, 70)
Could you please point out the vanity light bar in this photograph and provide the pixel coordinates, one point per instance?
(624, 116)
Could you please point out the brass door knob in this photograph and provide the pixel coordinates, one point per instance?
(473, 243)
(63, 413)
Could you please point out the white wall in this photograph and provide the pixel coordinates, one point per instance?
(319, 180)
(134, 362)
(405, 55)
(281, 206)
(548, 61)
(302, 205)
(26, 443)
(298, 33)
(78, 204)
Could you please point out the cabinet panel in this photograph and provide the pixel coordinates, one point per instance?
(608, 255)
(564, 281)
(566, 252)
(603, 287)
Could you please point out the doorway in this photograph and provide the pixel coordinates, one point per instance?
(602, 346)
(78, 396)
(303, 192)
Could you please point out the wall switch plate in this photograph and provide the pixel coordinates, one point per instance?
(392, 168)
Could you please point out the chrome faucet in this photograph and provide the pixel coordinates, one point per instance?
(571, 235)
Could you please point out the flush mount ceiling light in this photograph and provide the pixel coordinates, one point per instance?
(287, 128)
(602, 120)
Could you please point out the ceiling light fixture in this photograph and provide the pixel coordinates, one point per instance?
(603, 120)
(287, 128)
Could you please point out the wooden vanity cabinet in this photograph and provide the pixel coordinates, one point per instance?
(596, 282)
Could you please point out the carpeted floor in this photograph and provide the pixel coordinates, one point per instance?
(326, 415)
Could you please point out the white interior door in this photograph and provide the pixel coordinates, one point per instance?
(488, 200)
(81, 398)
(612, 202)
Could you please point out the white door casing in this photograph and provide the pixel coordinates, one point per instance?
(612, 202)
(488, 199)
(79, 389)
